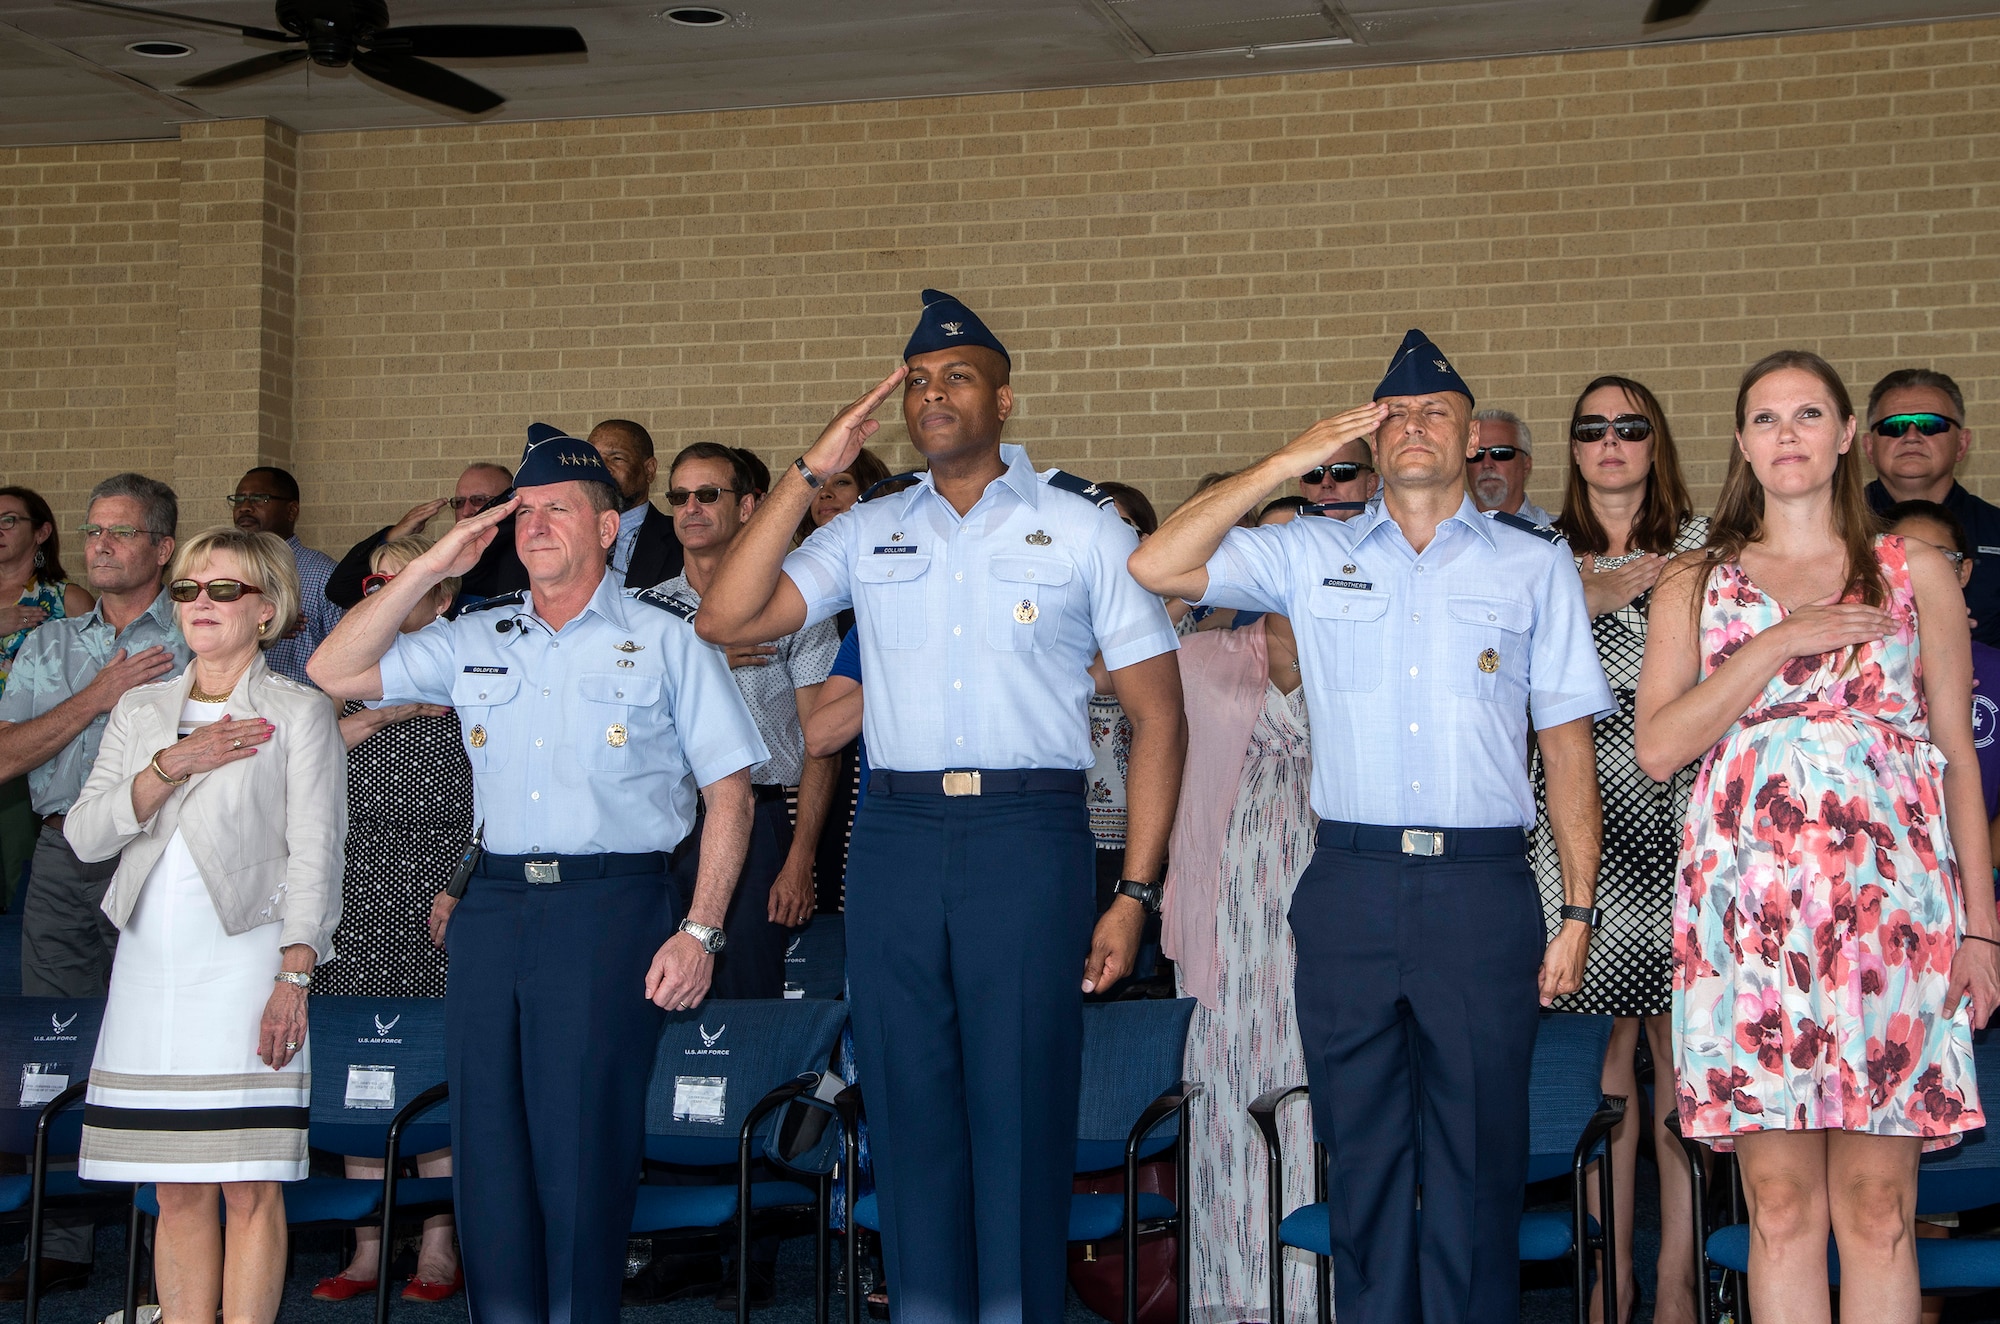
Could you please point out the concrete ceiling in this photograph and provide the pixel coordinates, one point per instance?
(66, 76)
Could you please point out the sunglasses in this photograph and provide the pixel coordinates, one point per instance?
(1500, 454)
(468, 505)
(239, 499)
(1930, 425)
(708, 496)
(1335, 473)
(122, 532)
(1626, 427)
(375, 583)
(218, 590)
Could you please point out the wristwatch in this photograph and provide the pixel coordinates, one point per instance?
(711, 940)
(1148, 895)
(297, 977)
(813, 480)
(1582, 914)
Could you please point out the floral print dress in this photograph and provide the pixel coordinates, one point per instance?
(1818, 906)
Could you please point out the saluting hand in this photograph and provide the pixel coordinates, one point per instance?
(1316, 445)
(851, 428)
(461, 546)
(682, 970)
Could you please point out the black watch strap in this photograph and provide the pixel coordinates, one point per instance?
(1582, 914)
(1146, 894)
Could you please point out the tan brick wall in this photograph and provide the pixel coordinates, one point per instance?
(1187, 273)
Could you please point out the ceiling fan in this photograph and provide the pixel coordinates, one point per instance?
(337, 33)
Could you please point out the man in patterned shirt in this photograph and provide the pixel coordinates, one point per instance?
(267, 499)
(711, 492)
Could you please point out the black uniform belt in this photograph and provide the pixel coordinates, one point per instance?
(569, 868)
(975, 781)
(1442, 843)
(761, 791)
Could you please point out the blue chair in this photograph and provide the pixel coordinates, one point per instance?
(1966, 1176)
(377, 1069)
(816, 959)
(10, 954)
(46, 1047)
(1132, 1107)
(721, 1075)
(1568, 1121)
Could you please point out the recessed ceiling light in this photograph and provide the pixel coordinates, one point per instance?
(161, 50)
(694, 16)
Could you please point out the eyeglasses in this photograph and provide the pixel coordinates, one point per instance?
(1334, 473)
(237, 500)
(468, 505)
(10, 521)
(218, 590)
(121, 532)
(708, 496)
(375, 583)
(1500, 454)
(1596, 427)
(1930, 425)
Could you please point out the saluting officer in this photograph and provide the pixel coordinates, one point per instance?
(590, 715)
(981, 594)
(1429, 637)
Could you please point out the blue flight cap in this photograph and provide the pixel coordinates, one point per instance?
(1420, 368)
(553, 456)
(946, 323)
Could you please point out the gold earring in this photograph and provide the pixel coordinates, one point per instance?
(263, 628)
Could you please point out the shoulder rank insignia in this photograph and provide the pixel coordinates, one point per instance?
(1083, 487)
(665, 602)
(1542, 531)
(892, 484)
(514, 599)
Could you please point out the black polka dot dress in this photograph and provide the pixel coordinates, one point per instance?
(1631, 955)
(409, 816)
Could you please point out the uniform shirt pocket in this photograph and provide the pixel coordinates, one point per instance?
(1025, 600)
(476, 696)
(612, 709)
(889, 598)
(1351, 632)
(1489, 648)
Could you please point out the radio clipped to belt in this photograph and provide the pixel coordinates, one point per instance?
(469, 861)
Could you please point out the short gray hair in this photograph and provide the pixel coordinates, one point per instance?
(162, 507)
(1523, 438)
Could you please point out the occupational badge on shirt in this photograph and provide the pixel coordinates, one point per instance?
(628, 647)
(1347, 569)
(614, 736)
(1026, 611)
(624, 661)
(1489, 661)
(1038, 539)
(896, 536)
(478, 737)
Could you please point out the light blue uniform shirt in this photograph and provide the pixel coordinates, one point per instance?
(1422, 671)
(588, 739)
(977, 633)
(628, 538)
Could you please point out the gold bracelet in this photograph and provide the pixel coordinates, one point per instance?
(154, 764)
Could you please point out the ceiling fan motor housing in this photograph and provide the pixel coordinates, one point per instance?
(333, 29)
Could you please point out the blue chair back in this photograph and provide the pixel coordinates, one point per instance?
(1132, 1054)
(816, 959)
(716, 1062)
(46, 1045)
(370, 1056)
(10, 955)
(1967, 1176)
(1564, 1088)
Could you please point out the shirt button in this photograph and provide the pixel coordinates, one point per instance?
(482, 694)
(957, 630)
(961, 740)
(1416, 786)
(534, 795)
(1343, 611)
(538, 742)
(959, 575)
(555, 643)
(1416, 615)
(1420, 570)
(1491, 617)
(1413, 671)
(1413, 726)
(958, 684)
(545, 694)
(619, 693)
(1031, 574)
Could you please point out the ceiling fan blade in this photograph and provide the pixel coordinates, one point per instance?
(469, 41)
(422, 79)
(230, 74)
(166, 16)
(1669, 11)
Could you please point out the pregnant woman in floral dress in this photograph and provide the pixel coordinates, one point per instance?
(1835, 906)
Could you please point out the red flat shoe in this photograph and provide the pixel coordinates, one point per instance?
(419, 1290)
(341, 1288)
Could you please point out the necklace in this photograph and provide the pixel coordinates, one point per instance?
(199, 695)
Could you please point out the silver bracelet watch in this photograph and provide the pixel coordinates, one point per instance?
(711, 939)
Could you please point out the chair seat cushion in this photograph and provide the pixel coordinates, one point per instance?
(1307, 1228)
(663, 1208)
(1546, 1234)
(14, 1193)
(414, 1191)
(1961, 1263)
(868, 1213)
(332, 1200)
(1098, 1217)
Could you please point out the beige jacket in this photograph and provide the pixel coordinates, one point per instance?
(267, 832)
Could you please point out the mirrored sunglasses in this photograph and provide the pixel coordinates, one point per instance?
(1929, 425)
(218, 590)
(708, 496)
(1335, 473)
(1626, 427)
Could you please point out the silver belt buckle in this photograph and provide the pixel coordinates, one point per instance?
(550, 871)
(1418, 842)
(961, 783)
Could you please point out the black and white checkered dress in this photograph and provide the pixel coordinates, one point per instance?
(1631, 954)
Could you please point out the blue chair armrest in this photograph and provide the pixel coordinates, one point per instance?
(763, 1108)
(1264, 1112)
(392, 1156)
(1610, 1112)
(1173, 1102)
(409, 1113)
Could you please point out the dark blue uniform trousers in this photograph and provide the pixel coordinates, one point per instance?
(1417, 1007)
(968, 922)
(549, 1044)
(751, 963)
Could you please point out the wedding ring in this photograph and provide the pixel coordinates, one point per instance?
(291, 1045)
(236, 743)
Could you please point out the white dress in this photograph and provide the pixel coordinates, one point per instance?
(177, 1091)
(1250, 1042)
